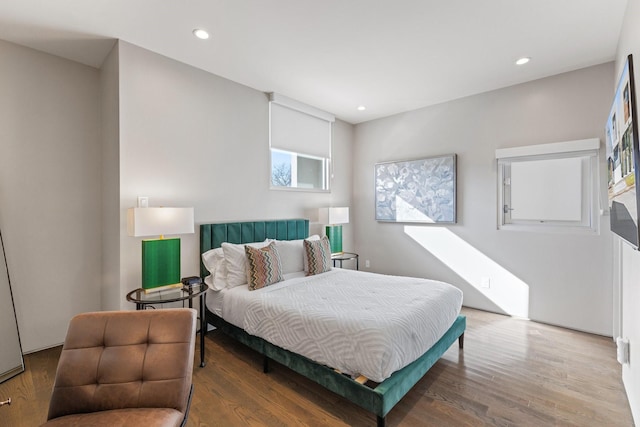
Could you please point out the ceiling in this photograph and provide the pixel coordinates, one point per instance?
(388, 55)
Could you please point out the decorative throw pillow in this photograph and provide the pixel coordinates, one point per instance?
(264, 266)
(318, 255)
(236, 262)
(304, 253)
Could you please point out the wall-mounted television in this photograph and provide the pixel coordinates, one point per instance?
(622, 158)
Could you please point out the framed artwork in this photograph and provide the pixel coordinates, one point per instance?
(623, 152)
(421, 190)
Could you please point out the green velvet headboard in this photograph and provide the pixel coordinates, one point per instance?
(214, 235)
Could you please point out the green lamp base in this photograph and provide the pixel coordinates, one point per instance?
(334, 233)
(160, 262)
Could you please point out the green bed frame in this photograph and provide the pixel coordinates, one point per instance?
(379, 400)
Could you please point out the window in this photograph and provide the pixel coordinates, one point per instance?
(300, 145)
(297, 170)
(549, 187)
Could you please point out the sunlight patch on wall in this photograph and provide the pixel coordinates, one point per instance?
(505, 290)
(407, 212)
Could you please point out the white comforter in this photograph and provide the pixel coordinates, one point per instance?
(355, 322)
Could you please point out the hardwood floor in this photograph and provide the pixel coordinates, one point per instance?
(30, 391)
(511, 372)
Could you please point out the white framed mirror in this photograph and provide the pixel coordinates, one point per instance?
(11, 361)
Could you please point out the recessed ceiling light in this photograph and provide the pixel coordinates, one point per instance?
(523, 60)
(361, 108)
(200, 33)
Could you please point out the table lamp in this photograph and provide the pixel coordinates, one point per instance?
(334, 217)
(160, 256)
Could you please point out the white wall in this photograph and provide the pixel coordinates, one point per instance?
(629, 260)
(50, 193)
(190, 138)
(566, 277)
(110, 297)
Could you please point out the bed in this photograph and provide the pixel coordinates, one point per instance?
(382, 387)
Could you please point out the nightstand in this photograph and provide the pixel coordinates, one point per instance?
(142, 300)
(345, 256)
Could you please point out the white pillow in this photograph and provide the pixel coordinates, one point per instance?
(214, 261)
(292, 255)
(211, 258)
(209, 281)
(294, 275)
(236, 262)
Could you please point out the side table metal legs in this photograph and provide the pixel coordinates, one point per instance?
(203, 328)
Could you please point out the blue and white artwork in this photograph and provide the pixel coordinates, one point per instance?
(417, 190)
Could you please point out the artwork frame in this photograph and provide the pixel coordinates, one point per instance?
(417, 191)
(623, 154)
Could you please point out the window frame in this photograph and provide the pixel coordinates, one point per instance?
(587, 150)
(326, 164)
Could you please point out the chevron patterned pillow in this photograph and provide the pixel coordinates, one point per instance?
(264, 265)
(318, 255)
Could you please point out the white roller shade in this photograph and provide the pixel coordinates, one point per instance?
(547, 190)
(299, 131)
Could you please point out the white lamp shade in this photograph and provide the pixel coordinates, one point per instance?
(333, 216)
(159, 221)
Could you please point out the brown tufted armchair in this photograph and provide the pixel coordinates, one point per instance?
(125, 368)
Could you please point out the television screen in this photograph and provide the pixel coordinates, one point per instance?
(622, 156)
